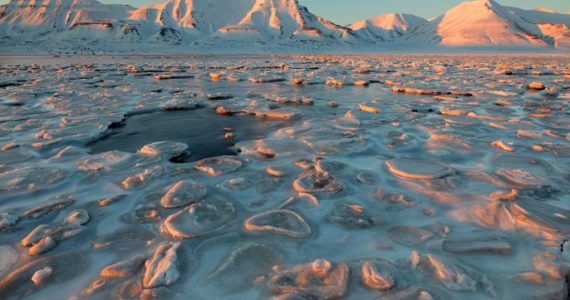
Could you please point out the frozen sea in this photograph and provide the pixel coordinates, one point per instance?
(285, 177)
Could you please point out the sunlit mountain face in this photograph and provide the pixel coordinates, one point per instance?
(269, 25)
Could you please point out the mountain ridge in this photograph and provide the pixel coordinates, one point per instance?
(387, 27)
(265, 25)
(485, 22)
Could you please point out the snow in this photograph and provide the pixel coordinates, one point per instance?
(201, 17)
(545, 10)
(42, 276)
(199, 219)
(29, 15)
(279, 222)
(387, 27)
(281, 21)
(183, 193)
(161, 269)
(261, 26)
(481, 23)
(488, 24)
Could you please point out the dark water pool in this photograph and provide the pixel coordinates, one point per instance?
(202, 130)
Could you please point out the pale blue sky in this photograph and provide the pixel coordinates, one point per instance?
(348, 11)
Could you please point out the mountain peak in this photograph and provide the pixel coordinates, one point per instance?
(545, 10)
(387, 27)
(485, 23)
(226, 23)
(478, 6)
(397, 21)
(284, 19)
(202, 16)
(488, 3)
(29, 16)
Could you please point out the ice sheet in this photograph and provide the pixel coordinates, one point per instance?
(442, 177)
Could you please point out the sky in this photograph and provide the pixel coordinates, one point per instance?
(346, 12)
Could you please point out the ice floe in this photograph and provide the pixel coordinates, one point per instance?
(319, 278)
(199, 219)
(280, 222)
(183, 193)
(343, 166)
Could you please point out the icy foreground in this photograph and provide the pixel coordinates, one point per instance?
(394, 177)
(268, 26)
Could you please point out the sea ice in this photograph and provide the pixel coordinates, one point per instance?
(318, 279)
(30, 179)
(162, 268)
(379, 275)
(415, 169)
(243, 266)
(165, 148)
(351, 215)
(218, 166)
(183, 193)
(280, 222)
(198, 219)
(477, 243)
(358, 159)
(123, 269)
(41, 276)
(317, 183)
(44, 237)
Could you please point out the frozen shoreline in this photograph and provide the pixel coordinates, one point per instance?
(7, 59)
(15, 51)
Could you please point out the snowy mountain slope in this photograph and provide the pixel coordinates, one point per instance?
(550, 23)
(193, 17)
(541, 16)
(560, 33)
(283, 21)
(485, 23)
(266, 25)
(387, 27)
(35, 17)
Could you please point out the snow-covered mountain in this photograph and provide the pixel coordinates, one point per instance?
(251, 25)
(283, 22)
(485, 23)
(194, 18)
(29, 17)
(387, 27)
(550, 23)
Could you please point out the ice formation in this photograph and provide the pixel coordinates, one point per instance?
(443, 177)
